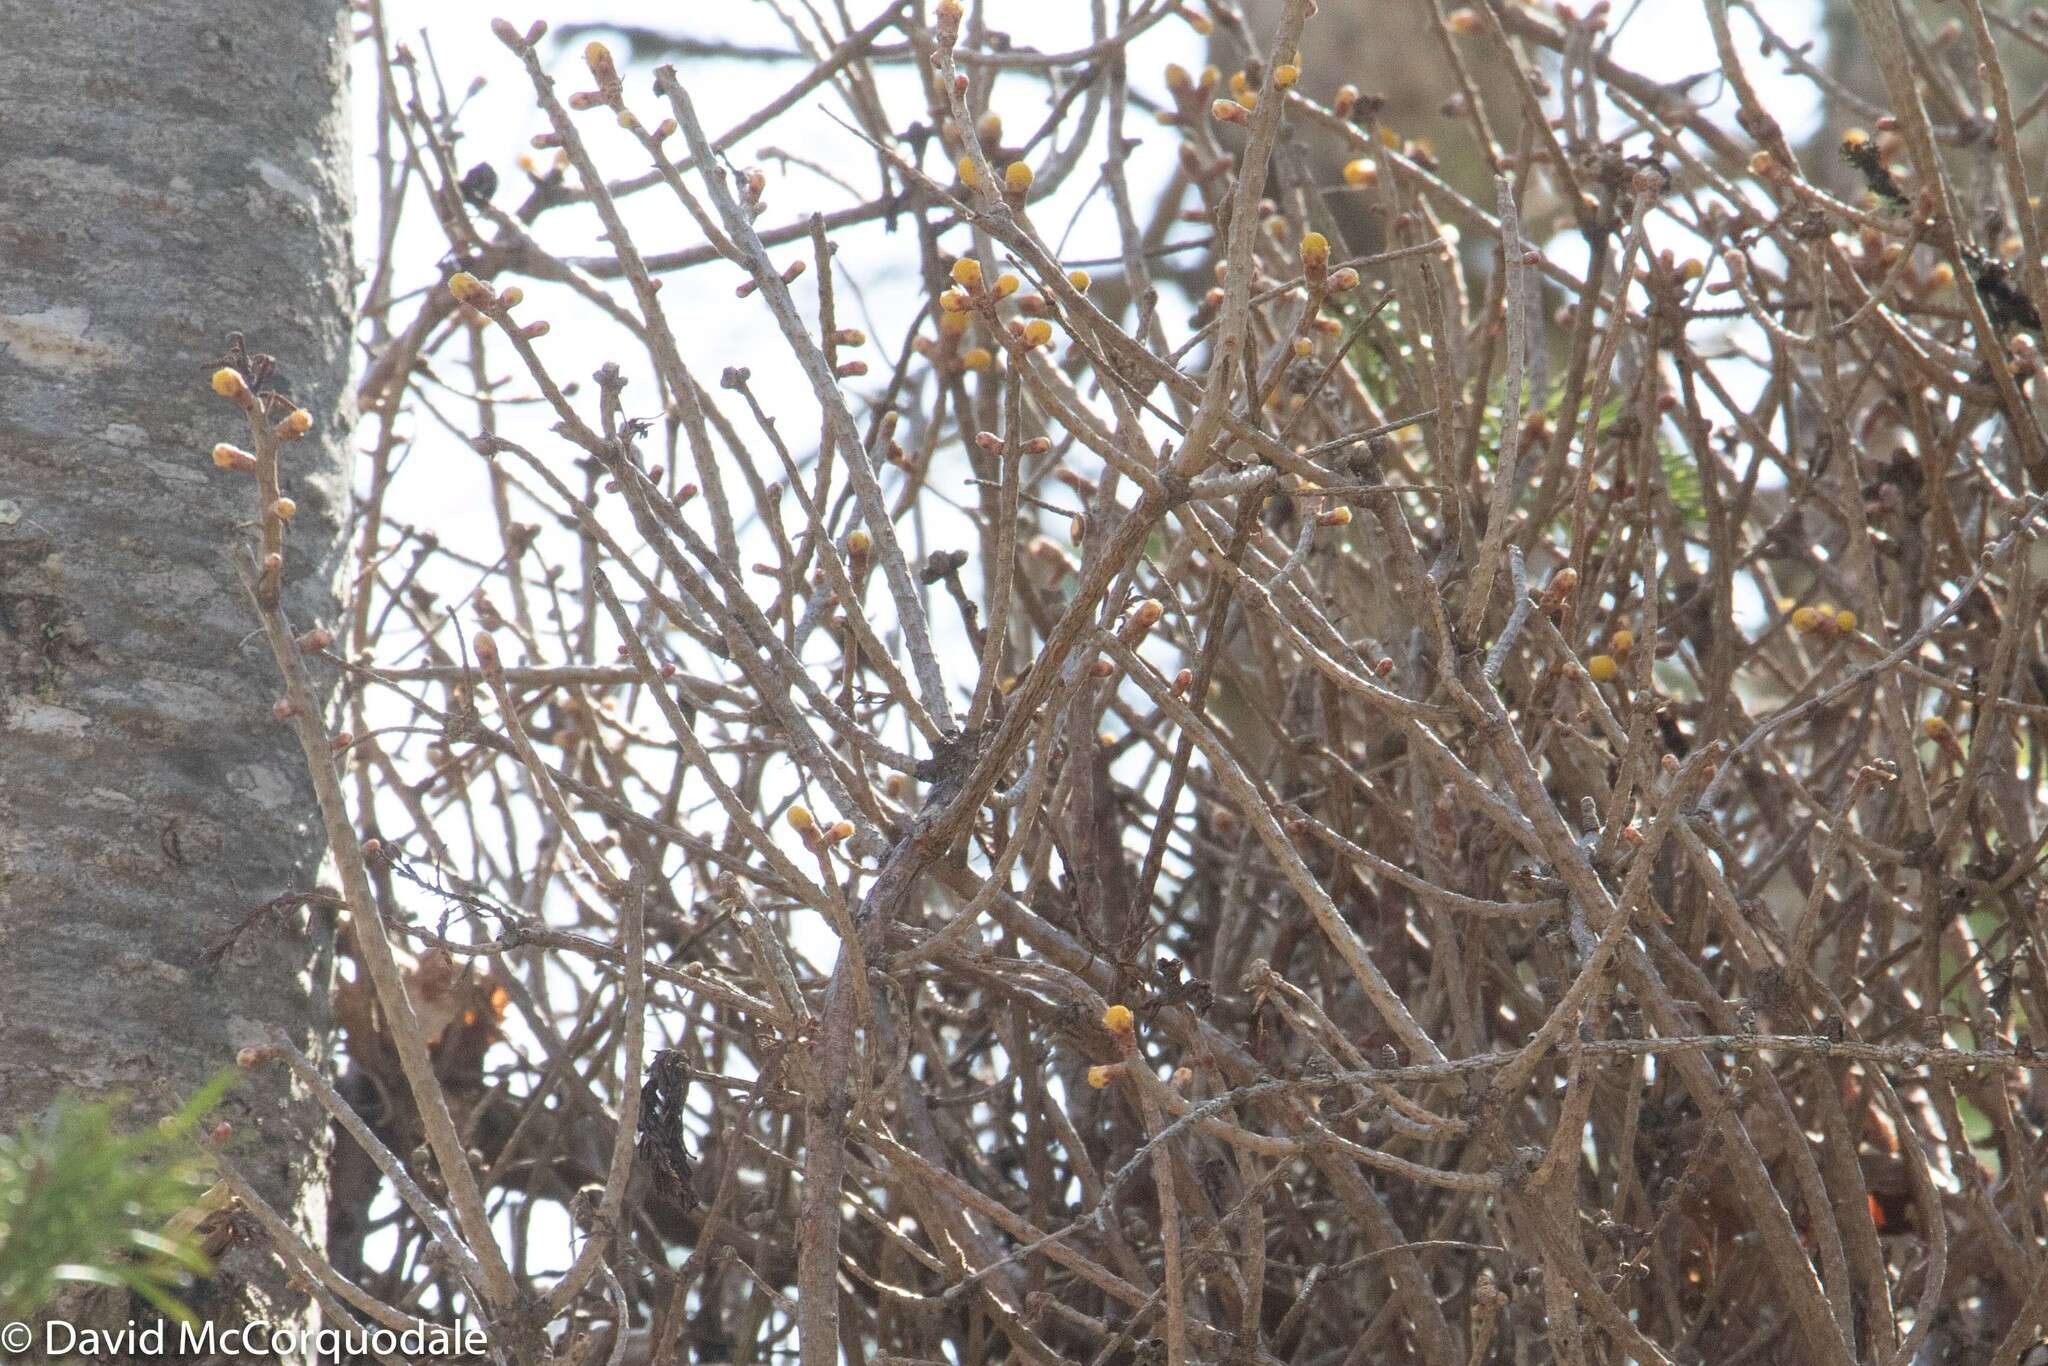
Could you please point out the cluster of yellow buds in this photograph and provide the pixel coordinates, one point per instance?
(814, 836)
(1824, 621)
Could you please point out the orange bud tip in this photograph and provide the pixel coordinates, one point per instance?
(233, 458)
(285, 509)
(1102, 1074)
(228, 382)
(1118, 1019)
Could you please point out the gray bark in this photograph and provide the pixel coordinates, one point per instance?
(173, 171)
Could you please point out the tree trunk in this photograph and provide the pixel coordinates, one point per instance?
(175, 171)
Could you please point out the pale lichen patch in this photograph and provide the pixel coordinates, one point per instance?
(55, 341)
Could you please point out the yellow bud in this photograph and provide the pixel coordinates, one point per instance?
(232, 457)
(953, 301)
(953, 324)
(1177, 78)
(977, 358)
(1845, 620)
(1101, 1075)
(1079, 280)
(1602, 668)
(800, 817)
(1692, 268)
(840, 831)
(1361, 173)
(970, 174)
(1806, 620)
(298, 422)
(858, 542)
(1622, 641)
(1336, 516)
(285, 509)
(1017, 177)
(1037, 332)
(967, 272)
(1942, 276)
(1303, 347)
(228, 382)
(1315, 249)
(468, 289)
(1934, 727)
(1286, 74)
(1006, 285)
(1463, 22)
(1200, 23)
(1117, 1019)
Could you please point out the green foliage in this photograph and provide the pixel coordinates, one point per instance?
(80, 1202)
